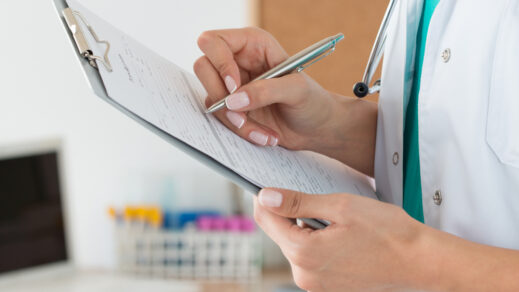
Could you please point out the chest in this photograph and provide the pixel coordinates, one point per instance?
(468, 115)
(468, 109)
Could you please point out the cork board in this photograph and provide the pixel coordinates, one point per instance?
(299, 23)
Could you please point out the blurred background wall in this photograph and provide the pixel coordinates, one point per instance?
(299, 23)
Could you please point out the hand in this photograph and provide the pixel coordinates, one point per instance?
(369, 245)
(292, 111)
(375, 246)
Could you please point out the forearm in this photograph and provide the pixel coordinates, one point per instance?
(350, 134)
(450, 263)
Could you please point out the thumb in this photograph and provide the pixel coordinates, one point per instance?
(293, 204)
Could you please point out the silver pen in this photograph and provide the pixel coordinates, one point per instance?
(296, 63)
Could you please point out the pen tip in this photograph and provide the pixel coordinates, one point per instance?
(210, 110)
(215, 107)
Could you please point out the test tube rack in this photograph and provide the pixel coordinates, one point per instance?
(189, 254)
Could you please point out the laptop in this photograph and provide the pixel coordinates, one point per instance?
(34, 241)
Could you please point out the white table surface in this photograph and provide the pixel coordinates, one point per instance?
(98, 281)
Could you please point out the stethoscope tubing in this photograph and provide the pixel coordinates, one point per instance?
(362, 89)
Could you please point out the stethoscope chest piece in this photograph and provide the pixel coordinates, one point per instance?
(360, 89)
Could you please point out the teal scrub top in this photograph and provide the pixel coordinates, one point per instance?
(412, 196)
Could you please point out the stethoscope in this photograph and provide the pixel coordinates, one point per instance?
(361, 89)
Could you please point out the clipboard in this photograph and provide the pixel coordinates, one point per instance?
(88, 63)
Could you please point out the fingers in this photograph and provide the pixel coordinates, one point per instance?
(239, 123)
(292, 204)
(306, 281)
(254, 49)
(210, 79)
(221, 57)
(251, 130)
(291, 89)
(233, 51)
(300, 246)
(233, 57)
(283, 231)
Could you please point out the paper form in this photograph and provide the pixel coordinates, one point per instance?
(173, 100)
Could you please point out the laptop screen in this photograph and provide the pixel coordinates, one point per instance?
(31, 216)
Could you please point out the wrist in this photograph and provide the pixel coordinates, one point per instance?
(348, 133)
(325, 136)
(430, 255)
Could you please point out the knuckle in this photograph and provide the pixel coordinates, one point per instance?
(205, 39)
(303, 280)
(306, 83)
(199, 64)
(294, 204)
(297, 258)
(224, 68)
(255, 30)
(260, 91)
(262, 33)
(302, 78)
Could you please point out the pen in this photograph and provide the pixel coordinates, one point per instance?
(297, 62)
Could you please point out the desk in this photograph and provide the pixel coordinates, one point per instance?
(98, 281)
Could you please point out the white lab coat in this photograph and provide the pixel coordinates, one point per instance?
(468, 115)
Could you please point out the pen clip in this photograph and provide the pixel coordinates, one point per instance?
(322, 56)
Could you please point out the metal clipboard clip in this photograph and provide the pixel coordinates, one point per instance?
(82, 44)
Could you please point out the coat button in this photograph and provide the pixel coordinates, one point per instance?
(437, 198)
(396, 158)
(446, 55)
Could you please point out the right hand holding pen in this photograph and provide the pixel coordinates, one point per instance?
(291, 111)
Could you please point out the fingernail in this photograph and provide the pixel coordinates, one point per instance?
(259, 138)
(270, 198)
(237, 101)
(236, 119)
(230, 84)
(273, 141)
